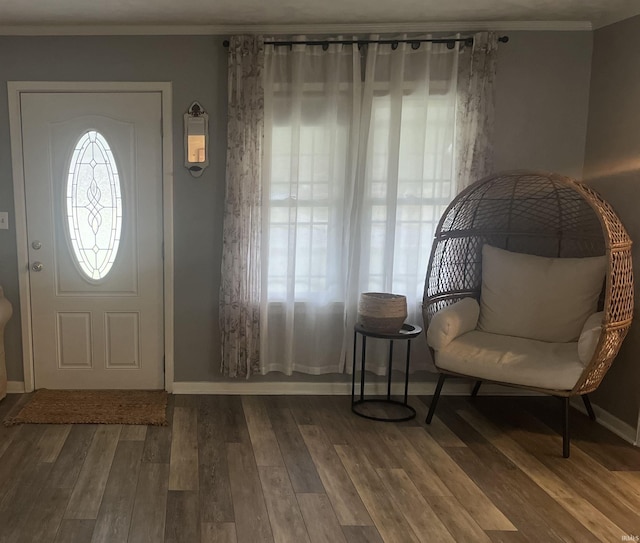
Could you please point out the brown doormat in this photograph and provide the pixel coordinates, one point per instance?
(93, 407)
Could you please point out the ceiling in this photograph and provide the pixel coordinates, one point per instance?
(307, 12)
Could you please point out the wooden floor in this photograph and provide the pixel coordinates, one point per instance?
(304, 469)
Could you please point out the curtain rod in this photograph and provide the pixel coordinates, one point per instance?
(415, 43)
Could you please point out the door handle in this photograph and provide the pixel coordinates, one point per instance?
(37, 266)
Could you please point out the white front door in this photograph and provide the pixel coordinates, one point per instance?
(93, 195)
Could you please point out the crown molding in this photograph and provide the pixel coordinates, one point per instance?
(225, 30)
(616, 17)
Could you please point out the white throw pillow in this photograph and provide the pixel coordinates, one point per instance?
(451, 322)
(548, 299)
(589, 337)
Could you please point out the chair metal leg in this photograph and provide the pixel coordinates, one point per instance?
(436, 397)
(566, 438)
(587, 404)
(476, 387)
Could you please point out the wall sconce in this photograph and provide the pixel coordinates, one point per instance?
(196, 139)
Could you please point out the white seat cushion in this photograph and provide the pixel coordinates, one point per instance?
(513, 360)
(528, 296)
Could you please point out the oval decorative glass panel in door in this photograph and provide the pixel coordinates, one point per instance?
(94, 205)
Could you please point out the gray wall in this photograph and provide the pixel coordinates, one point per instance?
(612, 166)
(542, 95)
(541, 113)
(197, 68)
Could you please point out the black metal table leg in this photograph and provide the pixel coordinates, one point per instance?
(390, 370)
(362, 364)
(406, 373)
(353, 370)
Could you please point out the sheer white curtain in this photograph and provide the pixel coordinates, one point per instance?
(357, 174)
(408, 181)
(312, 101)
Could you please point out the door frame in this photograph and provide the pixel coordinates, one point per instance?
(15, 89)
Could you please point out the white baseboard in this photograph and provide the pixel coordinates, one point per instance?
(15, 387)
(339, 389)
(610, 422)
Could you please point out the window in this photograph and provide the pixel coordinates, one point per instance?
(94, 205)
(314, 192)
(309, 140)
(407, 193)
(358, 167)
(305, 236)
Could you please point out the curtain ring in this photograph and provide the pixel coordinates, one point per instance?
(415, 45)
(394, 45)
(325, 46)
(451, 44)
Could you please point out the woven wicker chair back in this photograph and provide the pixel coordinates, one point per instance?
(540, 214)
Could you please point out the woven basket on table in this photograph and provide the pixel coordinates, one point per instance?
(382, 312)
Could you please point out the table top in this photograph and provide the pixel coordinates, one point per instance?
(408, 331)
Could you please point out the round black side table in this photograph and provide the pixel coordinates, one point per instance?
(407, 333)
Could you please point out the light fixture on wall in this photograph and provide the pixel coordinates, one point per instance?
(196, 139)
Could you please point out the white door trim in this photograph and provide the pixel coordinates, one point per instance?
(15, 88)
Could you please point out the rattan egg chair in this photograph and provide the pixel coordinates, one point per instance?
(538, 214)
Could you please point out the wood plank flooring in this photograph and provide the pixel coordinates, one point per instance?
(289, 469)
